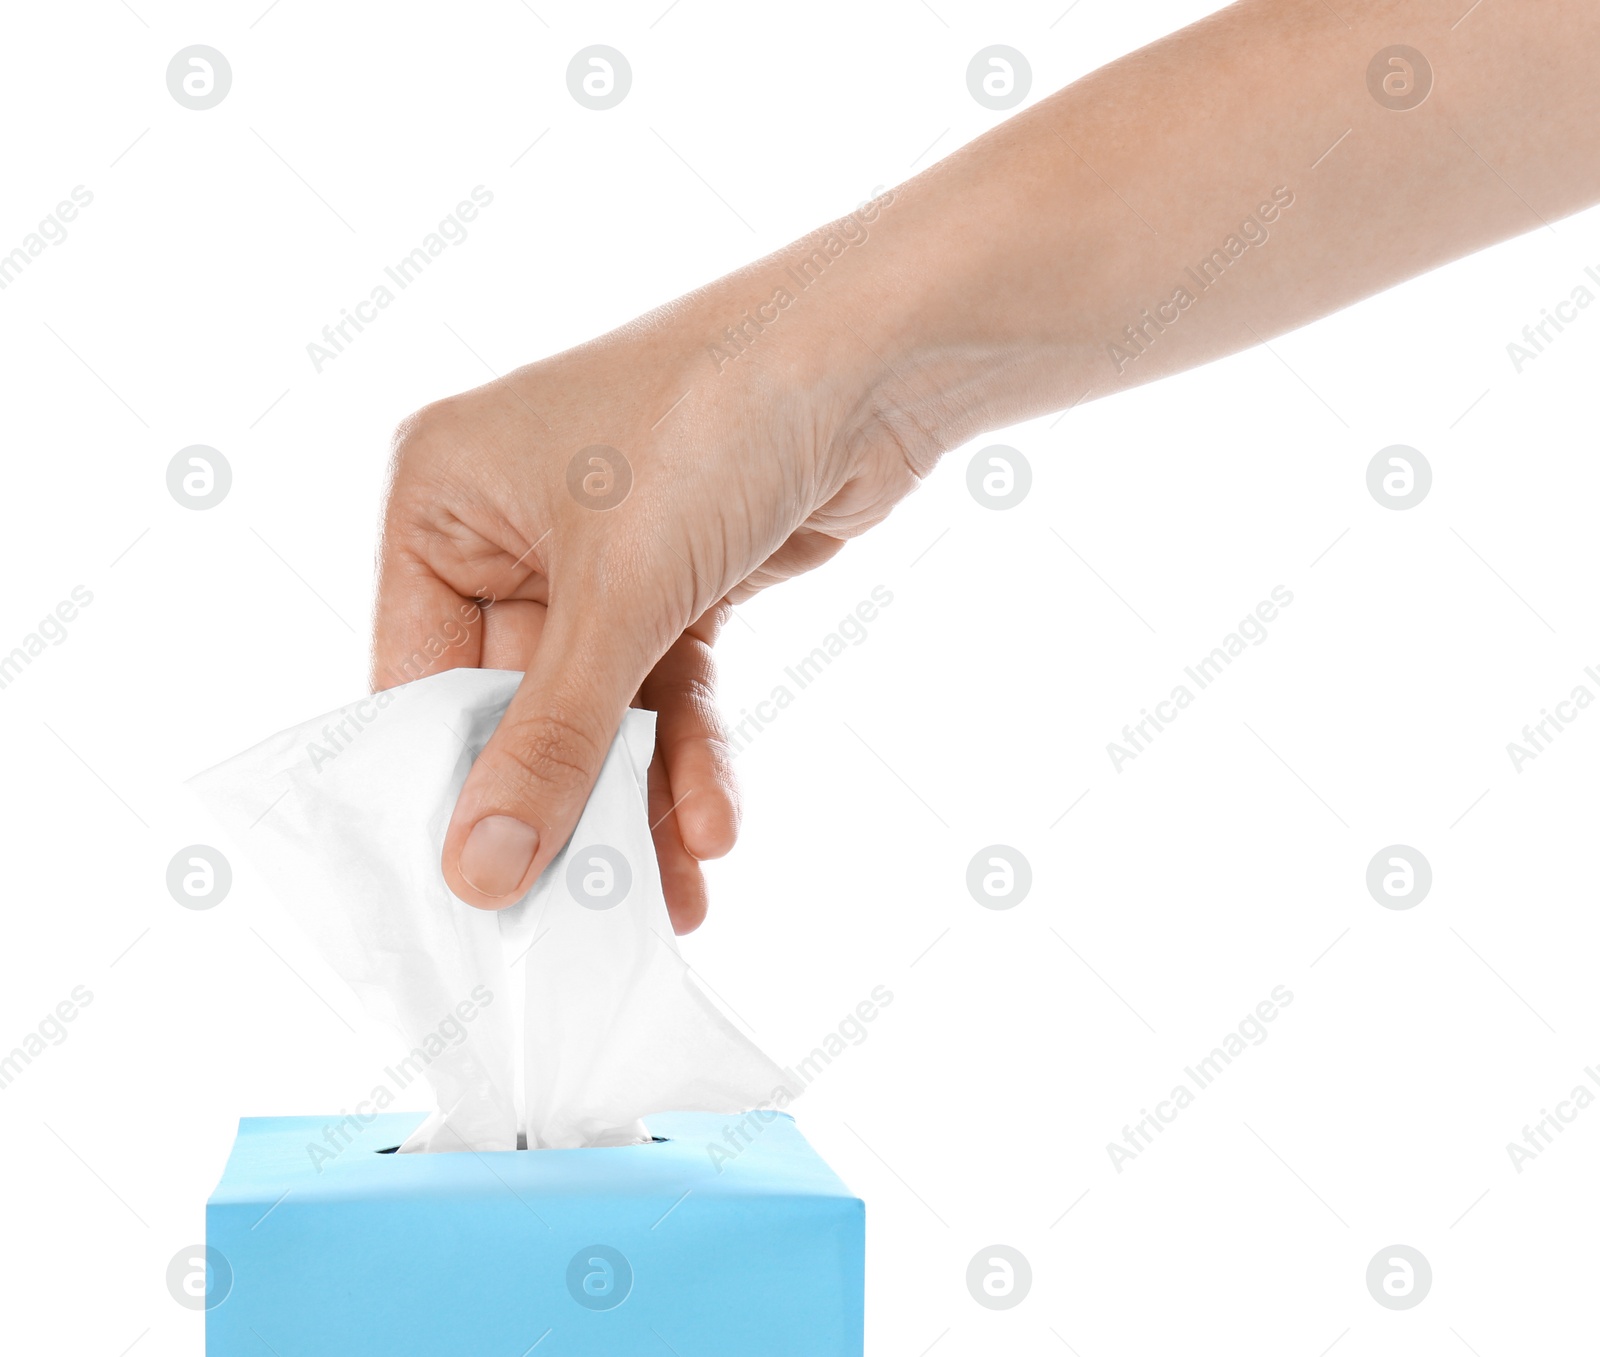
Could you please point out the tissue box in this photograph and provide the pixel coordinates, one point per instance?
(728, 1235)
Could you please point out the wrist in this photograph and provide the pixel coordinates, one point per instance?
(816, 338)
(914, 323)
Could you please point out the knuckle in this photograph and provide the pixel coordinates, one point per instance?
(696, 694)
(708, 626)
(551, 754)
(428, 433)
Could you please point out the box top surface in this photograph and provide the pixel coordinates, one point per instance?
(340, 1159)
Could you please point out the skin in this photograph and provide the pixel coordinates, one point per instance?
(987, 290)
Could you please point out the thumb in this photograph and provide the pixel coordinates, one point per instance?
(525, 792)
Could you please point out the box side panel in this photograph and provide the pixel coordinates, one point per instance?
(719, 1277)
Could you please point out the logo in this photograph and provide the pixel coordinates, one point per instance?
(999, 477)
(599, 1277)
(999, 877)
(199, 1277)
(1399, 877)
(999, 1277)
(1399, 1277)
(599, 77)
(199, 477)
(198, 877)
(999, 77)
(1399, 78)
(1399, 477)
(599, 877)
(199, 77)
(599, 477)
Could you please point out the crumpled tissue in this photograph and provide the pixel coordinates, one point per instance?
(559, 1022)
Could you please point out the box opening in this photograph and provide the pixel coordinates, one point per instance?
(654, 1140)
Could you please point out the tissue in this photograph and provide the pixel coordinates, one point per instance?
(559, 1022)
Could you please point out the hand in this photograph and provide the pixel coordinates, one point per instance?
(591, 519)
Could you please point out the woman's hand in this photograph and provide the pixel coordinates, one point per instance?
(590, 519)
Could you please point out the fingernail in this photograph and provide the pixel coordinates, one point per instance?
(497, 854)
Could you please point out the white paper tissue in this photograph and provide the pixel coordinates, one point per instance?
(556, 1023)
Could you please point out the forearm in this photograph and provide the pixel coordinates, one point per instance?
(1231, 182)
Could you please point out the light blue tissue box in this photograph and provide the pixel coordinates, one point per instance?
(729, 1235)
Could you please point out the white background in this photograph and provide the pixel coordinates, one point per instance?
(1228, 859)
